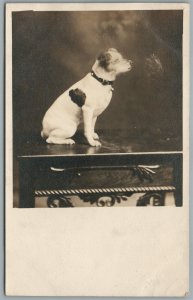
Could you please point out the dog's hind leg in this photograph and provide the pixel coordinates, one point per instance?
(43, 135)
(60, 136)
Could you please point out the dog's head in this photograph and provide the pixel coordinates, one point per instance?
(113, 61)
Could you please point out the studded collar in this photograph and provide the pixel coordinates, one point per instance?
(101, 80)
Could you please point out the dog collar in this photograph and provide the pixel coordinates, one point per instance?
(101, 80)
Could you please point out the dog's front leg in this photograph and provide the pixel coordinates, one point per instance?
(88, 125)
(94, 134)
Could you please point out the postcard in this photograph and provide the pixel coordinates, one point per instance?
(97, 151)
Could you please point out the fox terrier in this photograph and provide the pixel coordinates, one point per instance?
(84, 101)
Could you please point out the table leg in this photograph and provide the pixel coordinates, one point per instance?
(178, 181)
(26, 185)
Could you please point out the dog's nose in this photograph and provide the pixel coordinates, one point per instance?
(129, 64)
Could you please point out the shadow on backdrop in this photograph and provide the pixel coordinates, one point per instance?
(53, 50)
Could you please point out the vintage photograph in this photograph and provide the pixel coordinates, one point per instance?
(97, 108)
(97, 125)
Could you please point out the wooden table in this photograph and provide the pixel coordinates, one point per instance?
(126, 163)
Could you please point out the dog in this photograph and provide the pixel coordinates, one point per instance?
(84, 101)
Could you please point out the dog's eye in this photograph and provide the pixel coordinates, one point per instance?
(104, 59)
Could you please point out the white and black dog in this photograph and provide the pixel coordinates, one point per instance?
(84, 101)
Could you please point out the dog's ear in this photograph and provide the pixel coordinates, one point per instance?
(104, 59)
(112, 50)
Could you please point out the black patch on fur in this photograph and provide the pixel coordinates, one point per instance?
(104, 59)
(78, 97)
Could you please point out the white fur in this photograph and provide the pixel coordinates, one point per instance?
(64, 116)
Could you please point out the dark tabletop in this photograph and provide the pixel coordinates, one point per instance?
(113, 142)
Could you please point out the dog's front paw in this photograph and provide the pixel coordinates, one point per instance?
(95, 143)
(95, 136)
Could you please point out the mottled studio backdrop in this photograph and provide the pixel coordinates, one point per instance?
(53, 50)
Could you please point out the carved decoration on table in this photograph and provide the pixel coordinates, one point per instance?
(152, 199)
(59, 201)
(106, 200)
(110, 196)
(145, 172)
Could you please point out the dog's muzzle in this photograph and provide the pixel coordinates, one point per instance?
(130, 63)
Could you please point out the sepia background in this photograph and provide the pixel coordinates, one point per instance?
(53, 50)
